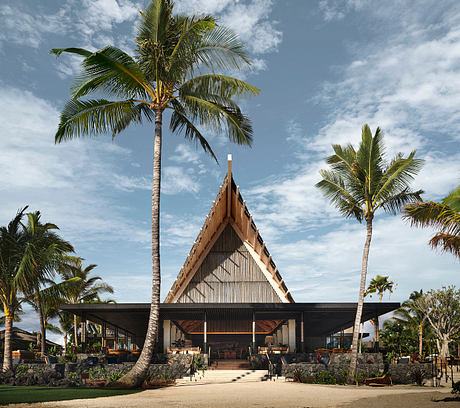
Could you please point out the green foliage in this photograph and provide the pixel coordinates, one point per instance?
(96, 373)
(166, 376)
(21, 370)
(325, 377)
(298, 375)
(444, 216)
(72, 375)
(116, 375)
(379, 284)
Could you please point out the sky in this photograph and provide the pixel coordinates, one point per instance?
(324, 68)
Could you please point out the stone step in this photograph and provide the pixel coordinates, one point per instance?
(224, 376)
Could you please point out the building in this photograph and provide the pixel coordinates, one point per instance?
(230, 292)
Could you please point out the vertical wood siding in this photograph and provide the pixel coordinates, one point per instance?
(229, 274)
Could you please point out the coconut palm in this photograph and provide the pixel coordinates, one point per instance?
(84, 289)
(410, 315)
(43, 253)
(12, 245)
(359, 184)
(177, 58)
(379, 284)
(444, 216)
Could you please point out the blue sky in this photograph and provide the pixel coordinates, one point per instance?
(324, 69)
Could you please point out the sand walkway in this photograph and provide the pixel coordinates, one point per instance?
(265, 394)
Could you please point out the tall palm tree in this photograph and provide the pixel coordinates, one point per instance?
(379, 284)
(12, 245)
(177, 58)
(444, 216)
(84, 289)
(43, 253)
(410, 315)
(360, 183)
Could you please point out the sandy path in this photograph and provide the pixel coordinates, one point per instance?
(266, 395)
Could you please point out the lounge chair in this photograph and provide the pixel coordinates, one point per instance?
(378, 381)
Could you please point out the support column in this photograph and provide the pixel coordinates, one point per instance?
(254, 346)
(302, 339)
(291, 335)
(376, 341)
(285, 333)
(205, 333)
(83, 333)
(103, 335)
(166, 335)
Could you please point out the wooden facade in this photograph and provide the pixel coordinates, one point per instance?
(229, 261)
(229, 274)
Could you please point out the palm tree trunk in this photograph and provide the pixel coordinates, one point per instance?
(136, 376)
(420, 339)
(42, 326)
(359, 309)
(7, 363)
(376, 334)
(75, 329)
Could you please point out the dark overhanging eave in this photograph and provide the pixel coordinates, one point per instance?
(380, 308)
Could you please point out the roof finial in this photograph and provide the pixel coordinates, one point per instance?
(229, 166)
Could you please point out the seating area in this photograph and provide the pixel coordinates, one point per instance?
(184, 350)
(227, 351)
(273, 349)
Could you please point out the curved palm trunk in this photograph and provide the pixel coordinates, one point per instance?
(359, 309)
(42, 327)
(75, 329)
(420, 339)
(136, 376)
(7, 363)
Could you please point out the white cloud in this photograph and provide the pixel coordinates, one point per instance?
(67, 182)
(185, 154)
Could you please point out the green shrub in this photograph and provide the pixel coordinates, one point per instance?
(116, 375)
(456, 388)
(325, 377)
(21, 370)
(298, 376)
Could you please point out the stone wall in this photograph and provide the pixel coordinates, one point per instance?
(410, 373)
(171, 366)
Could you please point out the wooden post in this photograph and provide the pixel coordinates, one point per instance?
(166, 335)
(254, 332)
(302, 340)
(83, 333)
(291, 336)
(205, 333)
(229, 186)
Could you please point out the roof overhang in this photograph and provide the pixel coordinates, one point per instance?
(319, 318)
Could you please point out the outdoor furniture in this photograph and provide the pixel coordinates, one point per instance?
(23, 354)
(322, 351)
(273, 349)
(404, 360)
(338, 350)
(378, 381)
(51, 360)
(184, 350)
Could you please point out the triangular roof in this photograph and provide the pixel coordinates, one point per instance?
(229, 208)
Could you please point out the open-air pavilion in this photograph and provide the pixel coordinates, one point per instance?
(229, 296)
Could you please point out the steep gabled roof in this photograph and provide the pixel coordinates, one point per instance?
(229, 208)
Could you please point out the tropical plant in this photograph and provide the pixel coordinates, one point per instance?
(359, 184)
(12, 244)
(86, 288)
(444, 216)
(43, 253)
(409, 315)
(379, 284)
(176, 60)
(442, 310)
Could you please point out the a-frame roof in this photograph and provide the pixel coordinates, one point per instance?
(229, 208)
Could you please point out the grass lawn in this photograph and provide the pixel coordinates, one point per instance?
(17, 394)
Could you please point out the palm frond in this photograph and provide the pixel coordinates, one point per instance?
(113, 71)
(219, 117)
(134, 115)
(447, 243)
(91, 117)
(180, 122)
(396, 202)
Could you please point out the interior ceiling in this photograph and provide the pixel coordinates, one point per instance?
(227, 326)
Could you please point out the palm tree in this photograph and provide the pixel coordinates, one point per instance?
(410, 315)
(84, 289)
(43, 253)
(359, 184)
(379, 284)
(175, 68)
(444, 215)
(12, 244)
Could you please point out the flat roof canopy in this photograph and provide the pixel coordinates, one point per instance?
(319, 318)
